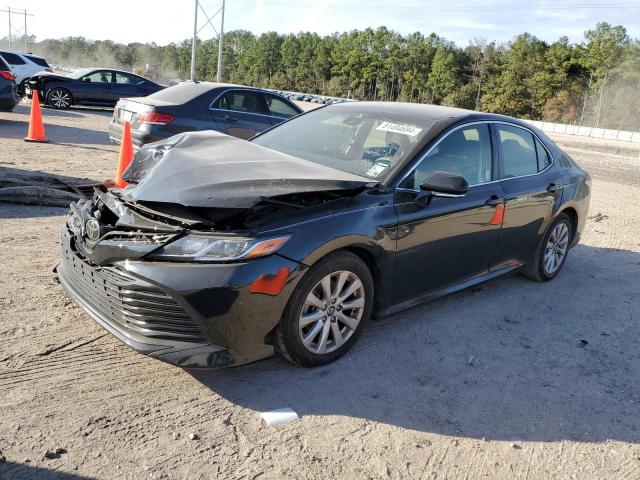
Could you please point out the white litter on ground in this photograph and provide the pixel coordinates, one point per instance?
(279, 416)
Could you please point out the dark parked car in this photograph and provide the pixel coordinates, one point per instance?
(231, 109)
(8, 90)
(221, 251)
(89, 86)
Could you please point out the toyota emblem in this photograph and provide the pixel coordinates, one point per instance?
(92, 228)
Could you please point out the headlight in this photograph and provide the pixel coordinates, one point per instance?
(216, 249)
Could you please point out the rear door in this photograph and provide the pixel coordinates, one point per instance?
(241, 113)
(127, 85)
(533, 190)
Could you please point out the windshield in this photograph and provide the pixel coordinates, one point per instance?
(79, 73)
(367, 143)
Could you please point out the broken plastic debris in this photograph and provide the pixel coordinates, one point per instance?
(279, 416)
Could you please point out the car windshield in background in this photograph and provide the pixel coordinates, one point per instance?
(79, 73)
(362, 143)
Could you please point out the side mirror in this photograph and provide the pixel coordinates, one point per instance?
(445, 184)
(86, 80)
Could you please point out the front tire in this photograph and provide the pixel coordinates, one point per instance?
(59, 98)
(327, 311)
(552, 251)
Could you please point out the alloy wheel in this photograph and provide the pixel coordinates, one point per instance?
(556, 248)
(60, 99)
(331, 312)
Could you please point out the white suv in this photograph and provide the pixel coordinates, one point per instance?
(24, 65)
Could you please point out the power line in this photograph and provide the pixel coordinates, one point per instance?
(461, 8)
(18, 11)
(194, 45)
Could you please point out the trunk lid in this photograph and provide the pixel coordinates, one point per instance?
(128, 109)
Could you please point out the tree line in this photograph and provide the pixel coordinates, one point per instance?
(595, 82)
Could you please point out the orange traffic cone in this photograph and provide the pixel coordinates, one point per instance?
(36, 128)
(126, 155)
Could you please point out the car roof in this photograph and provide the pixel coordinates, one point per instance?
(186, 91)
(423, 112)
(95, 69)
(22, 54)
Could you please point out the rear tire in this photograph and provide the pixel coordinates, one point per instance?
(327, 311)
(552, 252)
(59, 98)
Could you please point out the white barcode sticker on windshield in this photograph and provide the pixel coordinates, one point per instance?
(399, 128)
(376, 170)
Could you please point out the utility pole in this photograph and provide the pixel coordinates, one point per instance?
(195, 37)
(220, 44)
(194, 43)
(9, 11)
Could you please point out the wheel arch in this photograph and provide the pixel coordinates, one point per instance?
(377, 259)
(49, 88)
(572, 213)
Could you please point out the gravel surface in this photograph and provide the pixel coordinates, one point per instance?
(511, 379)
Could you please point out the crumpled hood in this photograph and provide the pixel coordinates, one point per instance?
(211, 169)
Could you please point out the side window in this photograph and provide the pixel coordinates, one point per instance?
(465, 152)
(248, 102)
(127, 79)
(518, 152)
(12, 58)
(101, 76)
(279, 107)
(543, 156)
(565, 162)
(38, 61)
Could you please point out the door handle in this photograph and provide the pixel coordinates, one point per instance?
(554, 188)
(494, 200)
(230, 118)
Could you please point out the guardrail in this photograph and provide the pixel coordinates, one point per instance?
(601, 133)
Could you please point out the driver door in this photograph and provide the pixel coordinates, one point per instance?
(451, 239)
(93, 88)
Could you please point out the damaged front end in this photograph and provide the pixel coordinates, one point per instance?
(100, 238)
(166, 282)
(181, 264)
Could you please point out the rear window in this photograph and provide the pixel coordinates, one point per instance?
(4, 65)
(38, 61)
(184, 92)
(518, 152)
(279, 107)
(543, 156)
(241, 101)
(12, 58)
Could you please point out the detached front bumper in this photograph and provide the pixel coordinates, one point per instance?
(190, 315)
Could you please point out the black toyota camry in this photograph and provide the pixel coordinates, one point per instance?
(89, 86)
(221, 251)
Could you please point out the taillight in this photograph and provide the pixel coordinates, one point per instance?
(155, 118)
(7, 75)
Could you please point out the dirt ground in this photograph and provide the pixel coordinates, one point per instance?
(511, 380)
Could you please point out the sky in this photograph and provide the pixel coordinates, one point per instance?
(165, 21)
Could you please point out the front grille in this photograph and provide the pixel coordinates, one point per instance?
(131, 305)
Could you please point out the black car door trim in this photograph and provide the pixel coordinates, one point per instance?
(494, 150)
(257, 92)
